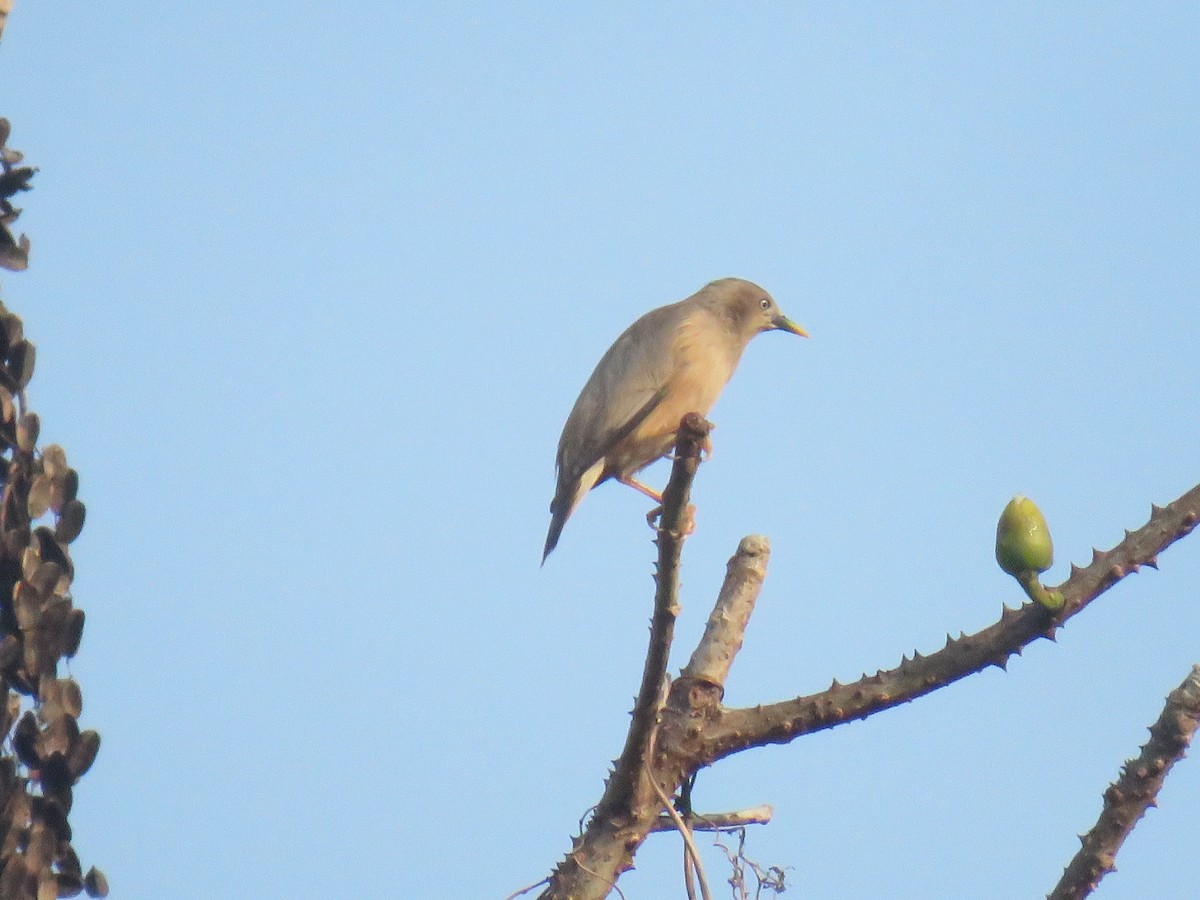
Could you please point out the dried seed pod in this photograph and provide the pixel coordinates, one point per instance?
(69, 883)
(83, 753)
(10, 652)
(54, 815)
(72, 632)
(70, 521)
(27, 604)
(21, 360)
(54, 460)
(24, 740)
(51, 628)
(45, 577)
(28, 428)
(50, 549)
(66, 485)
(62, 587)
(68, 864)
(95, 883)
(41, 495)
(13, 329)
(8, 408)
(30, 560)
(58, 737)
(71, 697)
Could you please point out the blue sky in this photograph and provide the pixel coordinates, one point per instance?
(314, 288)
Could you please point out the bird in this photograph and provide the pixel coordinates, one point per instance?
(673, 360)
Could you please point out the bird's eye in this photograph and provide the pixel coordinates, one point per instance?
(765, 303)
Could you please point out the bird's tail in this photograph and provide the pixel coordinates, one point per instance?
(566, 498)
(558, 518)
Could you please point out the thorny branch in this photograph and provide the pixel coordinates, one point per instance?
(738, 729)
(1127, 800)
(694, 729)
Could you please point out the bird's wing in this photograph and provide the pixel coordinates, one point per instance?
(629, 382)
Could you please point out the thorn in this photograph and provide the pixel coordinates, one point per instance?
(1128, 534)
(1096, 556)
(1075, 570)
(1156, 510)
(834, 685)
(916, 656)
(1001, 664)
(1152, 562)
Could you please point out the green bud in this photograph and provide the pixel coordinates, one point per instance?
(1023, 539)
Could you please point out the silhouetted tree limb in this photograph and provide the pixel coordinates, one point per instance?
(1127, 800)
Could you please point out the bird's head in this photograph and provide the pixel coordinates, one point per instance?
(748, 308)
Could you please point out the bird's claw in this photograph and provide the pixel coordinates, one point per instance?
(689, 520)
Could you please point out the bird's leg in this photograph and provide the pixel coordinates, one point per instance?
(649, 492)
(638, 486)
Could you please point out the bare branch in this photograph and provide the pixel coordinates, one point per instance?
(726, 628)
(734, 730)
(755, 815)
(1127, 800)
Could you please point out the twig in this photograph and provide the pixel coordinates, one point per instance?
(1127, 799)
(526, 889)
(728, 821)
(684, 831)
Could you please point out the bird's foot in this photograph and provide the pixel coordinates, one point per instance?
(706, 451)
(689, 520)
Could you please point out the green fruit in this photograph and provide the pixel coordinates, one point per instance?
(1023, 541)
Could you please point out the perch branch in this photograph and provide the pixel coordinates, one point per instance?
(627, 809)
